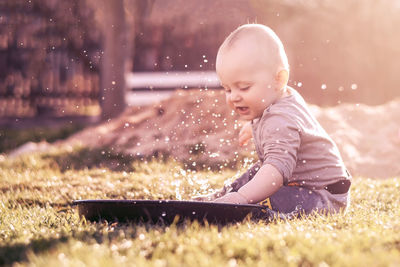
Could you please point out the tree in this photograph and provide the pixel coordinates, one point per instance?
(115, 54)
(118, 20)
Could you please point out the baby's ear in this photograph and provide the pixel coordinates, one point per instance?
(282, 78)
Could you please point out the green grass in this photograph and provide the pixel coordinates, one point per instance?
(38, 227)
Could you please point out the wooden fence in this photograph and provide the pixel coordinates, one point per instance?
(48, 65)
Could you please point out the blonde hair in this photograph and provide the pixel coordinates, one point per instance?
(266, 35)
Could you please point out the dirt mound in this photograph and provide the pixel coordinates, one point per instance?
(192, 126)
(368, 137)
(197, 128)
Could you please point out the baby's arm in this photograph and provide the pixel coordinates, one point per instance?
(238, 183)
(245, 134)
(265, 182)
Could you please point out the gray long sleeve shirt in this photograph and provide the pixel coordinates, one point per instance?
(289, 137)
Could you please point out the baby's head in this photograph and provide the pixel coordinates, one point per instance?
(253, 68)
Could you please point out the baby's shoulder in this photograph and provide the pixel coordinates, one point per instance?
(279, 121)
(283, 112)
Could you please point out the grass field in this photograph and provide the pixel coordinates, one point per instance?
(38, 227)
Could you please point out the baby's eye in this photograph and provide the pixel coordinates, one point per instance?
(245, 88)
(227, 90)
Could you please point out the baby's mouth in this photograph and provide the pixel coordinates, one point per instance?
(242, 110)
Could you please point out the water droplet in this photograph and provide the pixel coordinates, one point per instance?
(163, 214)
(354, 86)
(299, 84)
(323, 86)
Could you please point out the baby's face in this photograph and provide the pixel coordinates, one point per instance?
(250, 87)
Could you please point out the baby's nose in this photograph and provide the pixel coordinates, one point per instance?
(235, 96)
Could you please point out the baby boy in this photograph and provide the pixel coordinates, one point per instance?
(299, 167)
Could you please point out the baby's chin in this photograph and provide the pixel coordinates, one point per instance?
(246, 117)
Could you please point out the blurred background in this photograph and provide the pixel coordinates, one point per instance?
(78, 58)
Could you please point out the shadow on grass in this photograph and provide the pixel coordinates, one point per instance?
(12, 138)
(10, 254)
(104, 158)
(80, 158)
(86, 158)
(13, 253)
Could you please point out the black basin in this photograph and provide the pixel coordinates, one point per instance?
(166, 211)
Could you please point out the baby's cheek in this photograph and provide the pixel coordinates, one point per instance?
(228, 101)
(263, 102)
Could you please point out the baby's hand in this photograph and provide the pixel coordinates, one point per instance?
(209, 197)
(233, 197)
(213, 196)
(245, 134)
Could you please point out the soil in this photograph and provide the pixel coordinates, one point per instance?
(192, 126)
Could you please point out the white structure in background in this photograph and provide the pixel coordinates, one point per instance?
(161, 84)
(172, 80)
